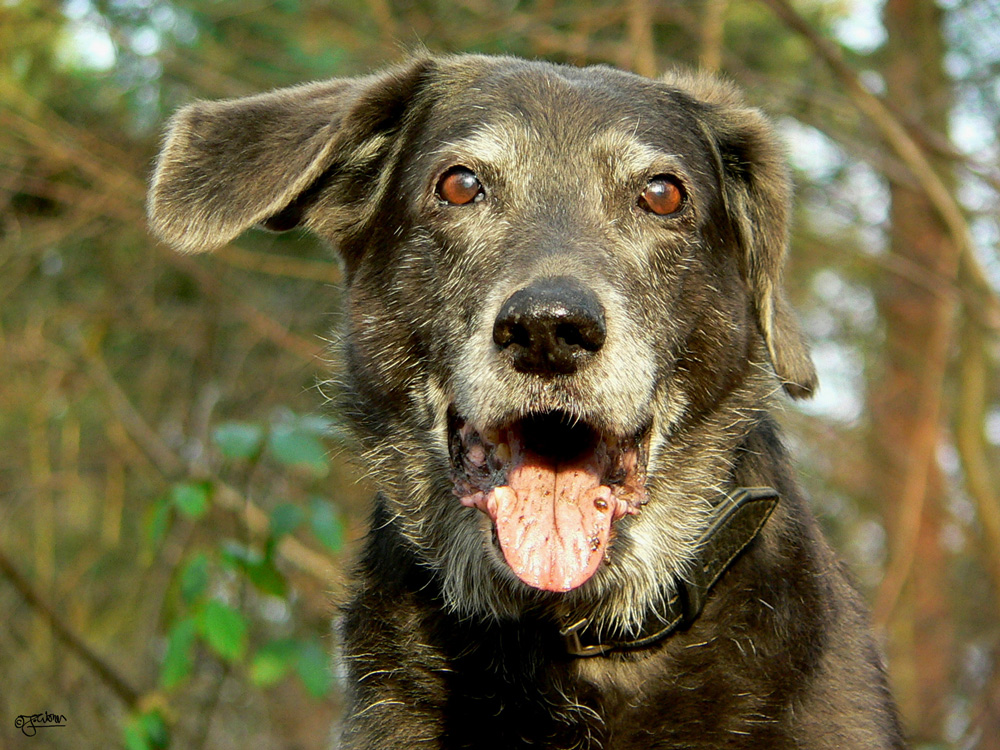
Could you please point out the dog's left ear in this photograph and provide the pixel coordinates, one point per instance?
(228, 165)
(756, 189)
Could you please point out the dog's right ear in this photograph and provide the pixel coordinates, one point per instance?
(228, 165)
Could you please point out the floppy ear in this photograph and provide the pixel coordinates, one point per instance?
(756, 190)
(228, 165)
(758, 193)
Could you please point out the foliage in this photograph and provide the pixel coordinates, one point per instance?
(207, 578)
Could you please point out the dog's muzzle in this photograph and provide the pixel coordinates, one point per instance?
(552, 484)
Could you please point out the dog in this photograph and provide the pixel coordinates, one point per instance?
(563, 336)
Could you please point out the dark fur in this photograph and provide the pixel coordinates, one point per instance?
(444, 646)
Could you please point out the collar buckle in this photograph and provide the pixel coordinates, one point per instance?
(574, 646)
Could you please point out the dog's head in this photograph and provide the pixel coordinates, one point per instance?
(564, 288)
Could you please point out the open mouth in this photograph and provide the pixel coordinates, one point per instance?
(553, 487)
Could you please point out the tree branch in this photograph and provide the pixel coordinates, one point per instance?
(970, 442)
(107, 674)
(640, 33)
(713, 26)
(897, 137)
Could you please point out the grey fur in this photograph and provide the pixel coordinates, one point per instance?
(698, 336)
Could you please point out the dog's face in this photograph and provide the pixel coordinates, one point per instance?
(563, 296)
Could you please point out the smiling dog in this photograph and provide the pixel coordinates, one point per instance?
(564, 331)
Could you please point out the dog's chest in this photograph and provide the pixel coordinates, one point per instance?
(603, 704)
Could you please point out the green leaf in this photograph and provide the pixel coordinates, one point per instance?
(313, 668)
(158, 521)
(299, 448)
(326, 524)
(238, 440)
(179, 658)
(273, 661)
(285, 519)
(194, 578)
(147, 731)
(267, 578)
(237, 555)
(135, 739)
(260, 570)
(224, 630)
(191, 498)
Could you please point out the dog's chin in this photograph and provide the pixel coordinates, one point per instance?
(553, 488)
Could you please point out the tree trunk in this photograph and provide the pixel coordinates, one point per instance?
(906, 398)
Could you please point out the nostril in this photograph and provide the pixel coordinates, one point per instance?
(507, 332)
(503, 333)
(519, 336)
(584, 334)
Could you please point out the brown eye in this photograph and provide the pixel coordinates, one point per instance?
(663, 196)
(459, 186)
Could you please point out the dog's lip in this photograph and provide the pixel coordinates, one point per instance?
(553, 487)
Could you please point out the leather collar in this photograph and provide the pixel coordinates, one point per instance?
(738, 519)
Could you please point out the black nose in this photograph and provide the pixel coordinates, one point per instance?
(551, 327)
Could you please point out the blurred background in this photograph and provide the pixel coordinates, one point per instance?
(177, 506)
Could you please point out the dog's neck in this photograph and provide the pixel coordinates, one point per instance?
(736, 523)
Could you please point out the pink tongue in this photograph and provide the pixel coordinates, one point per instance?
(553, 521)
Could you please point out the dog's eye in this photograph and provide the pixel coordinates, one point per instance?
(459, 186)
(663, 196)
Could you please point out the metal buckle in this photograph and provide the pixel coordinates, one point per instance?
(574, 646)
